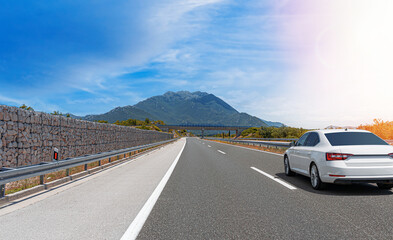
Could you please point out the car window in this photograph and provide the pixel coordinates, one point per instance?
(312, 140)
(354, 138)
(302, 140)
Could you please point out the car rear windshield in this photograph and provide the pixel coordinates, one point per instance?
(354, 138)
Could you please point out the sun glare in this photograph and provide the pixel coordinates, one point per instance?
(347, 67)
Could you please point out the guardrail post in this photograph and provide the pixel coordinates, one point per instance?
(42, 179)
(42, 169)
(99, 163)
(109, 160)
(2, 191)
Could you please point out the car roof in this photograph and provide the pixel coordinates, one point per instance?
(339, 130)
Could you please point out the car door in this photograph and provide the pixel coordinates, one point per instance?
(295, 157)
(305, 152)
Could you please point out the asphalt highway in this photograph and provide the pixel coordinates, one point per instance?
(99, 206)
(216, 191)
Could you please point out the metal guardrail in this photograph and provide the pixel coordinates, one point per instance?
(270, 139)
(202, 125)
(8, 175)
(255, 143)
(265, 139)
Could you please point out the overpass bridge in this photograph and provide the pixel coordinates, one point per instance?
(204, 127)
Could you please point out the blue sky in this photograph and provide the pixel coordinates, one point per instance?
(87, 57)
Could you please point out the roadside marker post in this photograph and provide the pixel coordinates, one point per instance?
(42, 179)
(2, 191)
(55, 154)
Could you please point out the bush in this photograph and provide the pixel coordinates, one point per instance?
(26, 107)
(384, 129)
(274, 132)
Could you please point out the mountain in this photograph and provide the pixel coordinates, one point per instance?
(273, 124)
(184, 107)
(121, 114)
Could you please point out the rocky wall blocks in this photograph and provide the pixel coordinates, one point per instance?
(29, 137)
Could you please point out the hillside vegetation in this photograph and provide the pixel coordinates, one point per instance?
(383, 129)
(149, 125)
(273, 132)
(146, 125)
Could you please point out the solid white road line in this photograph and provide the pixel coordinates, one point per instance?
(209, 146)
(221, 152)
(42, 195)
(275, 179)
(136, 225)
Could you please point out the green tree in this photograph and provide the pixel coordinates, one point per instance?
(102, 121)
(26, 107)
(147, 121)
(143, 127)
(274, 132)
(56, 113)
(159, 122)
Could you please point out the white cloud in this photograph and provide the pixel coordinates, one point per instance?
(9, 100)
(92, 100)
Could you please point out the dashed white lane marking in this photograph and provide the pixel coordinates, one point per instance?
(274, 178)
(136, 225)
(221, 152)
(209, 146)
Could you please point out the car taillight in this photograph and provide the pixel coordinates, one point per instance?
(337, 156)
(390, 155)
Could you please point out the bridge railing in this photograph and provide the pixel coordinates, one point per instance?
(8, 175)
(253, 142)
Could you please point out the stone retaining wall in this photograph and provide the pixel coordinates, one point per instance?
(28, 137)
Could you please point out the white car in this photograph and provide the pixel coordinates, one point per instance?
(341, 156)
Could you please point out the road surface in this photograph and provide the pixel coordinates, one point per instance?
(216, 191)
(101, 206)
(212, 195)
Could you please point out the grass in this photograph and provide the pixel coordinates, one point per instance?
(20, 185)
(54, 176)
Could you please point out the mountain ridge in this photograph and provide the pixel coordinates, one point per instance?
(183, 107)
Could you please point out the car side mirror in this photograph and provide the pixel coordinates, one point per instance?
(293, 143)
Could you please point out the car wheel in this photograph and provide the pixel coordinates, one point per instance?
(386, 186)
(316, 182)
(287, 168)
